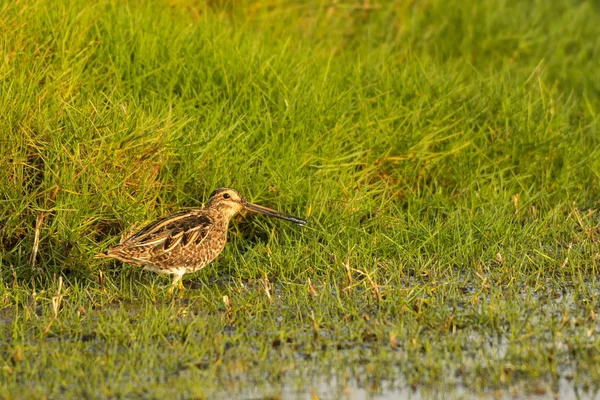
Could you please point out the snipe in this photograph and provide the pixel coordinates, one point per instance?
(186, 241)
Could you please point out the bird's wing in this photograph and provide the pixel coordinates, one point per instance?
(180, 229)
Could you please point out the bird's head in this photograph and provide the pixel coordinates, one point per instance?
(229, 202)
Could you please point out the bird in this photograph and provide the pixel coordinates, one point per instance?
(188, 240)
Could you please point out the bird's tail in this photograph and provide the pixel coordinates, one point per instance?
(102, 255)
(110, 253)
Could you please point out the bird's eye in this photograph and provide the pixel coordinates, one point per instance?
(226, 196)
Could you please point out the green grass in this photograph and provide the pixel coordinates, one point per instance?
(446, 154)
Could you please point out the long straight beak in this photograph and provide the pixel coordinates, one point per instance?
(273, 213)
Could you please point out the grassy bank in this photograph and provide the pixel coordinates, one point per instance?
(446, 155)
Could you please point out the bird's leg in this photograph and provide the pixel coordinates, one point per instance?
(177, 283)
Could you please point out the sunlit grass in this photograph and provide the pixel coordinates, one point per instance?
(446, 156)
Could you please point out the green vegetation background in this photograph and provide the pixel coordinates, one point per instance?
(446, 154)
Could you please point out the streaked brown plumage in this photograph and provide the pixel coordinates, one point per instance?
(187, 241)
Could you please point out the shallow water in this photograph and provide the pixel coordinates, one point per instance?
(353, 391)
(277, 354)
